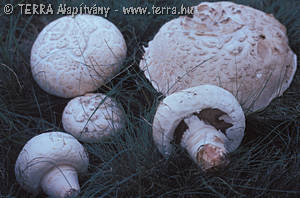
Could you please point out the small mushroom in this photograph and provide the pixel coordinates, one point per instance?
(51, 161)
(236, 47)
(76, 55)
(92, 117)
(206, 120)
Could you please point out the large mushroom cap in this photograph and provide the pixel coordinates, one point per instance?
(211, 103)
(233, 46)
(91, 117)
(44, 152)
(76, 55)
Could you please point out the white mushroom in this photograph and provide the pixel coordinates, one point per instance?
(91, 117)
(51, 161)
(210, 118)
(76, 55)
(236, 47)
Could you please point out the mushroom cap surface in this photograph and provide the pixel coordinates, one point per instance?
(75, 55)
(183, 104)
(91, 117)
(233, 46)
(44, 152)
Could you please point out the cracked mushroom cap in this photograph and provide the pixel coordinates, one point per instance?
(91, 117)
(211, 104)
(233, 46)
(44, 152)
(76, 55)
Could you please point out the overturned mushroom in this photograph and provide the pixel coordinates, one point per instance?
(211, 123)
(76, 55)
(51, 161)
(236, 47)
(91, 117)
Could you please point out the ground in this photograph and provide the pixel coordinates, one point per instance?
(267, 164)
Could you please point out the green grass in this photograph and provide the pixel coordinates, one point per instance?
(267, 164)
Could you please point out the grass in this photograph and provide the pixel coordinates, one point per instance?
(267, 164)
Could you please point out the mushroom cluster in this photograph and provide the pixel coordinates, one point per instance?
(70, 58)
(73, 56)
(236, 47)
(214, 66)
(192, 60)
(76, 55)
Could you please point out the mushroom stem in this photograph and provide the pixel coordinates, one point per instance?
(61, 182)
(205, 144)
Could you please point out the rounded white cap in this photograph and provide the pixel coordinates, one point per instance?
(75, 55)
(236, 47)
(91, 117)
